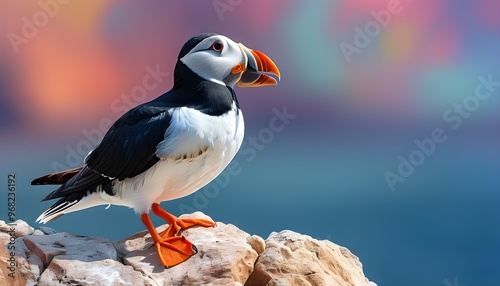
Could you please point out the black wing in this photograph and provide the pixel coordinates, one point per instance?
(128, 148)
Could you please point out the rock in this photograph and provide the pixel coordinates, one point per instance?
(223, 258)
(258, 244)
(20, 227)
(226, 256)
(43, 230)
(291, 258)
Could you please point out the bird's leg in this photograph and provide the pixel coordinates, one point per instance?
(171, 247)
(171, 250)
(175, 225)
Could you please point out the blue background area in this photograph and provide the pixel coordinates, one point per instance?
(323, 174)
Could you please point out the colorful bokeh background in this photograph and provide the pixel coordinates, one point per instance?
(69, 69)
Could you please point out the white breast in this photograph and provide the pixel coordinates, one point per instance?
(196, 149)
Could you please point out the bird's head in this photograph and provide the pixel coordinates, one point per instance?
(219, 59)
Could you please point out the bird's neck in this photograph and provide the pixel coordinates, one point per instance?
(193, 91)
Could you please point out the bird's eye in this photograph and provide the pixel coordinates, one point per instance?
(217, 46)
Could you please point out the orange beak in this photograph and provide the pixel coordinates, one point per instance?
(259, 70)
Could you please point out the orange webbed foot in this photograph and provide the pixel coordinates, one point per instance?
(175, 225)
(183, 223)
(174, 250)
(171, 247)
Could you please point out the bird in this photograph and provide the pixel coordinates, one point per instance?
(171, 146)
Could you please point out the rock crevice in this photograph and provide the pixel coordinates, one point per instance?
(227, 256)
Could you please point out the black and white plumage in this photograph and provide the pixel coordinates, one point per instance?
(173, 145)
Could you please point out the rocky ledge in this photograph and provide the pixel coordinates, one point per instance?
(226, 256)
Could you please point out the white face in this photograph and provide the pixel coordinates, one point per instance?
(214, 59)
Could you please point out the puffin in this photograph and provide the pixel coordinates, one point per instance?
(171, 146)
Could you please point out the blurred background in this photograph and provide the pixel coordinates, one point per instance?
(361, 82)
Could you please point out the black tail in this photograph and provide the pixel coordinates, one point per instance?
(56, 178)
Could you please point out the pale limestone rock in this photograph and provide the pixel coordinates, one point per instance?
(21, 228)
(226, 256)
(80, 260)
(257, 243)
(25, 268)
(291, 258)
